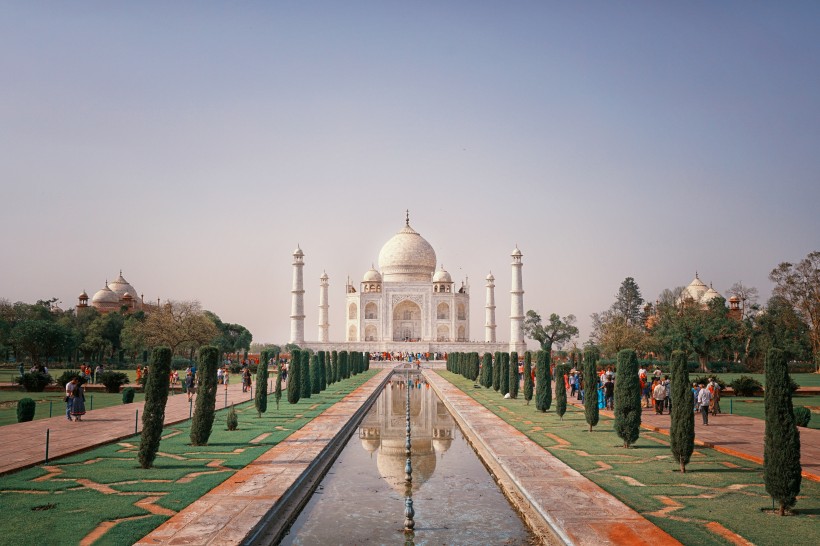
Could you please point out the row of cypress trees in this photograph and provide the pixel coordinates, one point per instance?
(312, 373)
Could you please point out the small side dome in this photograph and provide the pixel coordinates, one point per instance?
(709, 295)
(516, 252)
(324, 276)
(83, 296)
(490, 277)
(442, 276)
(298, 251)
(371, 275)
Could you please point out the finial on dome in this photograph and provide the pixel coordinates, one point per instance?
(407, 218)
(696, 274)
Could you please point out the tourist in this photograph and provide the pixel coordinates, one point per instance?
(98, 372)
(246, 378)
(659, 395)
(646, 391)
(695, 391)
(609, 393)
(220, 375)
(190, 385)
(714, 389)
(69, 388)
(667, 384)
(704, 398)
(78, 401)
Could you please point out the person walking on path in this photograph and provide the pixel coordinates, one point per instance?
(69, 388)
(246, 379)
(704, 398)
(659, 395)
(714, 389)
(78, 402)
(190, 385)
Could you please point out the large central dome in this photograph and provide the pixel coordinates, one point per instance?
(407, 257)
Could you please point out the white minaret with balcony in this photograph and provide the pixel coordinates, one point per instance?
(517, 342)
(489, 310)
(323, 315)
(297, 308)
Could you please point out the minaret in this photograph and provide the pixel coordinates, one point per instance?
(323, 323)
(297, 307)
(489, 316)
(517, 342)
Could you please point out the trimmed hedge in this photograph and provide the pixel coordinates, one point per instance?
(25, 410)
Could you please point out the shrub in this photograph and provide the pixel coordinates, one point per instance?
(181, 363)
(802, 416)
(114, 380)
(746, 386)
(203, 420)
(705, 380)
(153, 413)
(235, 367)
(34, 381)
(67, 376)
(25, 410)
(128, 395)
(232, 420)
(543, 388)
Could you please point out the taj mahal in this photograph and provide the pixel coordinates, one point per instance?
(407, 304)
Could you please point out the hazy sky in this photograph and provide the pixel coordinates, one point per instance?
(194, 144)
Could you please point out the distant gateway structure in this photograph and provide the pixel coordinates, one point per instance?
(406, 305)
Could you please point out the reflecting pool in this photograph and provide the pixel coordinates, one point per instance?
(362, 498)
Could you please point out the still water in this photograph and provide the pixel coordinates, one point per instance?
(361, 499)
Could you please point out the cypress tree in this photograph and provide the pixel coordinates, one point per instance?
(504, 376)
(203, 419)
(366, 361)
(295, 376)
(305, 389)
(278, 388)
(682, 426)
(315, 374)
(781, 441)
(514, 384)
(322, 371)
(487, 370)
(528, 377)
(543, 385)
(476, 366)
(153, 412)
(335, 366)
(628, 398)
(561, 390)
(357, 362)
(591, 356)
(343, 371)
(497, 365)
(260, 397)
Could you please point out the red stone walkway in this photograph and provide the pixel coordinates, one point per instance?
(735, 435)
(577, 510)
(24, 444)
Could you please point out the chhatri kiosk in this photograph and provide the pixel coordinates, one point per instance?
(408, 305)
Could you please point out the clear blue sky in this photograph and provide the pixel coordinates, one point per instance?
(194, 144)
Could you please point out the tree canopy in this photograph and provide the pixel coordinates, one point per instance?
(557, 332)
(799, 284)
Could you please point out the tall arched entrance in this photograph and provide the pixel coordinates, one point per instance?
(406, 321)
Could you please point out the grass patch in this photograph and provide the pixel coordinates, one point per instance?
(716, 486)
(753, 407)
(104, 484)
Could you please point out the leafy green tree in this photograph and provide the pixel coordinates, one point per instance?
(556, 332)
(153, 412)
(612, 332)
(685, 324)
(528, 377)
(779, 326)
(543, 387)
(628, 398)
(561, 371)
(629, 303)
(203, 420)
(260, 397)
(799, 284)
(682, 428)
(781, 440)
(39, 339)
(513, 379)
(306, 389)
(591, 356)
(295, 376)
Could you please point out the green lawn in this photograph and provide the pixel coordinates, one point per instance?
(53, 401)
(72, 496)
(802, 379)
(753, 407)
(715, 488)
(8, 375)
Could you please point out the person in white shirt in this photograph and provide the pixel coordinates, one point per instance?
(704, 397)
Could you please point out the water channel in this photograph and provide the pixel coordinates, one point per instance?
(361, 500)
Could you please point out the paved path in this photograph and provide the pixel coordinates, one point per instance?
(229, 512)
(734, 435)
(578, 510)
(24, 444)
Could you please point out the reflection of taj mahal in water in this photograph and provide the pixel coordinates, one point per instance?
(408, 305)
(383, 432)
